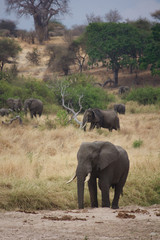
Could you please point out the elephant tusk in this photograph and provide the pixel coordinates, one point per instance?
(88, 177)
(84, 125)
(71, 179)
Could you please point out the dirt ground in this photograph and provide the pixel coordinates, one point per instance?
(132, 222)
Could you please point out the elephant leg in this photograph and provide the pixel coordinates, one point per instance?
(105, 193)
(92, 185)
(92, 126)
(118, 191)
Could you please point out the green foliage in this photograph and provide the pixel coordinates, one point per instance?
(9, 48)
(82, 85)
(115, 42)
(137, 143)
(62, 118)
(152, 52)
(147, 95)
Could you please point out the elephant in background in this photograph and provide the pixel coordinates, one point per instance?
(120, 108)
(100, 118)
(123, 89)
(5, 111)
(108, 163)
(35, 107)
(15, 104)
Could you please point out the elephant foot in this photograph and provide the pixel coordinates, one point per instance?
(115, 207)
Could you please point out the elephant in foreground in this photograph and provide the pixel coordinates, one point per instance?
(120, 108)
(5, 111)
(100, 118)
(108, 163)
(35, 107)
(15, 104)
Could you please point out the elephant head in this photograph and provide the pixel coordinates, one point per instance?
(105, 161)
(14, 104)
(94, 116)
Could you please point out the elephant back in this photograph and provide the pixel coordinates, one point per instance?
(111, 120)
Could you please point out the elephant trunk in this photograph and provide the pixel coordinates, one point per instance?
(80, 192)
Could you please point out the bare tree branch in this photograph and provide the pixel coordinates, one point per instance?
(13, 119)
(70, 109)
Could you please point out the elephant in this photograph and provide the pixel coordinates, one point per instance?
(105, 161)
(100, 118)
(35, 107)
(5, 111)
(120, 108)
(14, 104)
(123, 89)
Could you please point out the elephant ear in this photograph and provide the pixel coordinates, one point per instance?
(108, 154)
(97, 114)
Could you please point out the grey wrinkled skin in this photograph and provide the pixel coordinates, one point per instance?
(35, 106)
(5, 111)
(106, 162)
(100, 118)
(14, 104)
(120, 108)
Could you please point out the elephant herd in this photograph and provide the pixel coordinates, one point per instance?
(35, 106)
(100, 160)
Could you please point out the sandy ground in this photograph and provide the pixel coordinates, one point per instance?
(127, 223)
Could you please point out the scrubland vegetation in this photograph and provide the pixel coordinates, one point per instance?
(39, 157)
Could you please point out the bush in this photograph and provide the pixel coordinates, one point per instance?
(137, 143)
(82, 85)
(147, 95)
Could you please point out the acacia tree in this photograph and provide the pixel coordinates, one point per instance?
(8, 50)
(114, 42)
(77, 50)
(113, 16)
(151, 56)
(41, 11)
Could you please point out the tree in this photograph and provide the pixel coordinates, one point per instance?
(77, 49)
(8, 25)
(115, 42)
(113, 16)
(92, 18)
(60, 58)
(41, 11)
(151, 56)
(8, 49)
(156, 14)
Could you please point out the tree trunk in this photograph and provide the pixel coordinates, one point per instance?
(41, 30)
(116, 70)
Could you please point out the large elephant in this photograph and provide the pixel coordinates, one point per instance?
(35, 107)
(108, 163)
(5, 111)
(15, 104)
(100, 118)
(120, 108)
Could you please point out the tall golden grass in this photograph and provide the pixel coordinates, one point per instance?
(36, 162)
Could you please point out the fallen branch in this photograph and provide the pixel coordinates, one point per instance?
(13, 119)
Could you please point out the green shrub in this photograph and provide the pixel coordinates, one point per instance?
(62, 118)
(137, 143)
(147, 95)
(93, 97)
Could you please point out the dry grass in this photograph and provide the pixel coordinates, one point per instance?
(35, 163)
